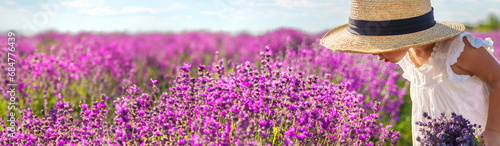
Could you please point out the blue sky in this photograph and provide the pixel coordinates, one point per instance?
(254, 16)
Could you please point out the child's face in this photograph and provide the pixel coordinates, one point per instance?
(393, 57)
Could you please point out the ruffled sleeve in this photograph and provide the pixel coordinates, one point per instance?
(404, 64)
(456, 47)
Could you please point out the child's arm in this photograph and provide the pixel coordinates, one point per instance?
(480, 63)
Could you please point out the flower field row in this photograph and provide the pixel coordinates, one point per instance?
(279, 88)
(84, 66)
(248, 106)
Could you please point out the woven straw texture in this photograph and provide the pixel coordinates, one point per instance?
(339, 39)
(379, 10)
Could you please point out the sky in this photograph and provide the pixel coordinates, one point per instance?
(234, 16)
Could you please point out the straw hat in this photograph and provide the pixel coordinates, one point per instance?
(377, 26)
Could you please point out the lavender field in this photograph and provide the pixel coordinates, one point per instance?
(201, 88)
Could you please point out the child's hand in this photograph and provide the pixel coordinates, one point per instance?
(490, 138)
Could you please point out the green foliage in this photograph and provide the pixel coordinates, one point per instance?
(404, 123)
(491, 24)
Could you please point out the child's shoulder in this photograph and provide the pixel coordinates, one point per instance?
(464, 41)
(471, 55)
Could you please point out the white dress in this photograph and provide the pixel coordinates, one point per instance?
(435, 88)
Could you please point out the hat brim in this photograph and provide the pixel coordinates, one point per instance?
(339, 39)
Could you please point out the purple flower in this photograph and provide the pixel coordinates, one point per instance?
(447, 131)
(298, 92)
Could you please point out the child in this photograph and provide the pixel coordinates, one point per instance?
(449, 70)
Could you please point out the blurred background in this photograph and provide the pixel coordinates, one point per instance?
(86, 48)
(233, 16)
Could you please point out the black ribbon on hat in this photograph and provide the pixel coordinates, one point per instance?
(392, 27)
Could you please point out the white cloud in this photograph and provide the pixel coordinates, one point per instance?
(461, 1)
(76, 4)
(133, 9)
(494, 1)
(177, 6)
(496, 11)
(242, 3)
(15, 17)
(98, 11)
(342, 10)
(273, 13)
(301, 3)
(472, 1)
(209, 12)
(221, 14)
(438, 3)
(224, 14)
(10, 2)
(91, 7)
(454, 15)
(82, 3)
